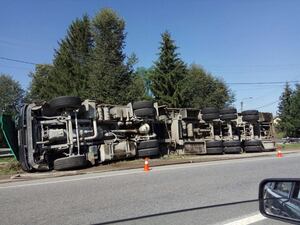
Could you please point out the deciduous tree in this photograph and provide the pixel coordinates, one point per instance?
(200, 89)
(11, 94)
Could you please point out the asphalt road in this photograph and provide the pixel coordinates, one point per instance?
(178, 194)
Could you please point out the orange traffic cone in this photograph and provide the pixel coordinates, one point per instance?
(279, 153)
(146, 165)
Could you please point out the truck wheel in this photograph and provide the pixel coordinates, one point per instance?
(72, 162)
(148, 144)
(228, 117)
(65, 102)
(210, 116)
(209, 110)
(210, 144)
(142, 104)
(229, 110)
(231, 143)
(148, 152)
(233, 150)
(253, 149)
(250, 118)
(145, 112)
(212, 151)
(250, 112)
(252, 143)
(48, 111)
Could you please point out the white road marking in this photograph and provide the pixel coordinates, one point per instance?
(248, 220)
(128, 172)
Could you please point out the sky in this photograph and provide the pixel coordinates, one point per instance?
(237, 40)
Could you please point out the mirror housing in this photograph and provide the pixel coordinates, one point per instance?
(280, 199)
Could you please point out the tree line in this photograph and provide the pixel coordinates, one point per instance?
(90, 62)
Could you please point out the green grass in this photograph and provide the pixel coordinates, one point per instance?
(9, 166)
(7, 159)
(290, 146)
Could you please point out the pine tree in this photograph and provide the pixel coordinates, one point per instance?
(144, 74)
(284, 111)
(295, 113)
(110, 76)
(39, 89)
(169, 70)
(70, 72)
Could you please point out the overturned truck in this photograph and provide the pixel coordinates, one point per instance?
(68, 133)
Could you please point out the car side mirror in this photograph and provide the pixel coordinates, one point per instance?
(280, 199)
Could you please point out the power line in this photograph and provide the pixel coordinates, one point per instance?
(231, 83)
(271, 103)
(264, 83)
(261, 87)
(18, 61)
(252, 65)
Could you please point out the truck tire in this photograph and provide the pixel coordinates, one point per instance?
(250, 112)
(267, 117)
(48, 111)
(65, 102)
(210, 116)
(212, 151)
(209, 110)
(228, 117)
(212, 144)
(253, 149)
(252, 143)
(229, 110)
(233, 150)
(142, 104)
(231, 143)
(145, 112)
(148, 144)
(250, 118)
(72, 162)
(148, 152)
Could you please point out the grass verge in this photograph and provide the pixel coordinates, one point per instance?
(9, 166)
(294, 146)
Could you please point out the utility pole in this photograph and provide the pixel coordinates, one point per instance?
(242, 103)
(242, 106)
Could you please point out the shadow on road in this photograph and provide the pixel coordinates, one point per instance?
(175, 211)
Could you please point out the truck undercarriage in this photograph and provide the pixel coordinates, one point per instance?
(68, 133)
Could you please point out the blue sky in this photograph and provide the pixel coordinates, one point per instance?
(239, 41)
